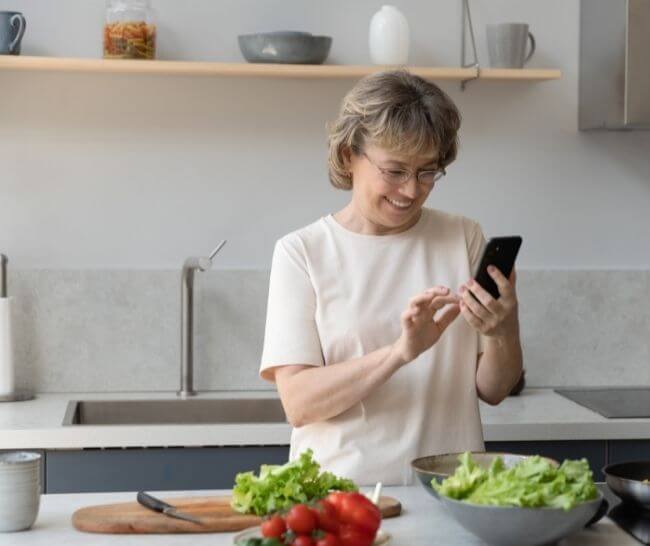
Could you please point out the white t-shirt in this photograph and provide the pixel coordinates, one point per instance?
(335, 295)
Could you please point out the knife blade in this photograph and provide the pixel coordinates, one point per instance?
(157, 505)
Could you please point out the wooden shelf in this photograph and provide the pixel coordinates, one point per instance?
(523, 74)
(194, 68)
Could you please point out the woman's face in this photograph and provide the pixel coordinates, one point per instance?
(388, 207)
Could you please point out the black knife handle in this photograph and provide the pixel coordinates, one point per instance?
(152, 502)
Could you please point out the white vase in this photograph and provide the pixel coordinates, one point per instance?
(389, 37)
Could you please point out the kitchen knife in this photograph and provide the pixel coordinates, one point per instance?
(159, 506)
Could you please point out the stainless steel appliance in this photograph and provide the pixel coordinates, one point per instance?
(614, 69)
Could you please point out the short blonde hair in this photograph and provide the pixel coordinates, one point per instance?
(398, 111)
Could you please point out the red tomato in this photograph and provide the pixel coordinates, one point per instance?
(303, 540)
(326, 515)
(328, 540)
(273, 527)
(357, 510)
(301, 519)
(335, 498)
(360, 516)
(349, 535)
(358, 499)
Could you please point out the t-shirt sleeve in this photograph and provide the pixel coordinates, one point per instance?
(291, 335)
(475, 244)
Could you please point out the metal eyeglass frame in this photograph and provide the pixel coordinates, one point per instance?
(406, 174)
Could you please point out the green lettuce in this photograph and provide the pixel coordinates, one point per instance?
(534, 483)
(280, 486)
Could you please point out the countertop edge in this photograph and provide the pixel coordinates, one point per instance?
(536, 415)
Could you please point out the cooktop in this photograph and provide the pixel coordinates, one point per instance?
(614, 403)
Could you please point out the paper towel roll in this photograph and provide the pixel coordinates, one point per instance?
(7, 374)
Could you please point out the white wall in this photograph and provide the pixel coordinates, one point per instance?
(138, 172)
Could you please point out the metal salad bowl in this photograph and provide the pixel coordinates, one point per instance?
(514, 526)
(627, 481)
(442, 466)
(506, 525)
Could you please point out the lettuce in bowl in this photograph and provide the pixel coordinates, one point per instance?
(531, 483)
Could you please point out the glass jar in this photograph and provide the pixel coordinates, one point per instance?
(129, 31)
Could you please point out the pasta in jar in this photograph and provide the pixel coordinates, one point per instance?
(129, 31)
(129, 40)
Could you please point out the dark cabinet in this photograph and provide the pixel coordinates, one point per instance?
(155, 469)
(620, 451)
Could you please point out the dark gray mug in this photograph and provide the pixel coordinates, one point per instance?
(507, 44)
(12, 29)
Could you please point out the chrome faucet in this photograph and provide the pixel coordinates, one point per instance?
(187, 318)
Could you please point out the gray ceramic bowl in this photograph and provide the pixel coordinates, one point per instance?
(500, 525)
(287, 47)
(441, 466)
(513, 526)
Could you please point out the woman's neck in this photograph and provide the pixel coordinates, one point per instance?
(354, 220)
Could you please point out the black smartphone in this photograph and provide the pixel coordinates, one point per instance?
(500, 252)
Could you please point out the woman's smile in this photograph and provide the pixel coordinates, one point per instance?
(401, 205)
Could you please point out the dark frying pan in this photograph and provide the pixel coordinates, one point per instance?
(626, 480)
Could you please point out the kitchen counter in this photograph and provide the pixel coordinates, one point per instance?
(535, 415)
(423, 522)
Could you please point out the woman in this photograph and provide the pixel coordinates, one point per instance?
(364, 336)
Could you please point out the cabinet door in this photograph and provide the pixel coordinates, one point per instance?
(104, 470)
(621, 451)
(594, 451)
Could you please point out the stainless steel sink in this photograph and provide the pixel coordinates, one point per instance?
(166, 412)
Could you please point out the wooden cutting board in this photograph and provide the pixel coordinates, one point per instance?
(215, 513)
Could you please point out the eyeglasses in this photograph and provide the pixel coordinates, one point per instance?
(397, 177)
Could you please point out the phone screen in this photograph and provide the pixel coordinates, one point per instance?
(502, 253)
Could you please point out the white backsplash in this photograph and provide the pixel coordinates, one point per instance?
(119, 330)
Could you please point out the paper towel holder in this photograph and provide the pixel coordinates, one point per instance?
(16, 395)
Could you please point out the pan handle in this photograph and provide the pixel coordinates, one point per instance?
(600, 513)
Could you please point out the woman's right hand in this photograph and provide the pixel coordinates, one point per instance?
(421, 329)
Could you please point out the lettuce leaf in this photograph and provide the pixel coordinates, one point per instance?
(280, 486)
(533, 482)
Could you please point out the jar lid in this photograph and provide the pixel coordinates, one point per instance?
(128, 4)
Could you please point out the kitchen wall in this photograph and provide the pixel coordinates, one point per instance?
(109, 181)
(118, 330)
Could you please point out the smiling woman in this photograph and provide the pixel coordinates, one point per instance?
(363, 337)
(391, 120)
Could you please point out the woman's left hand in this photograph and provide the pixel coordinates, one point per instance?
(491, 317)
